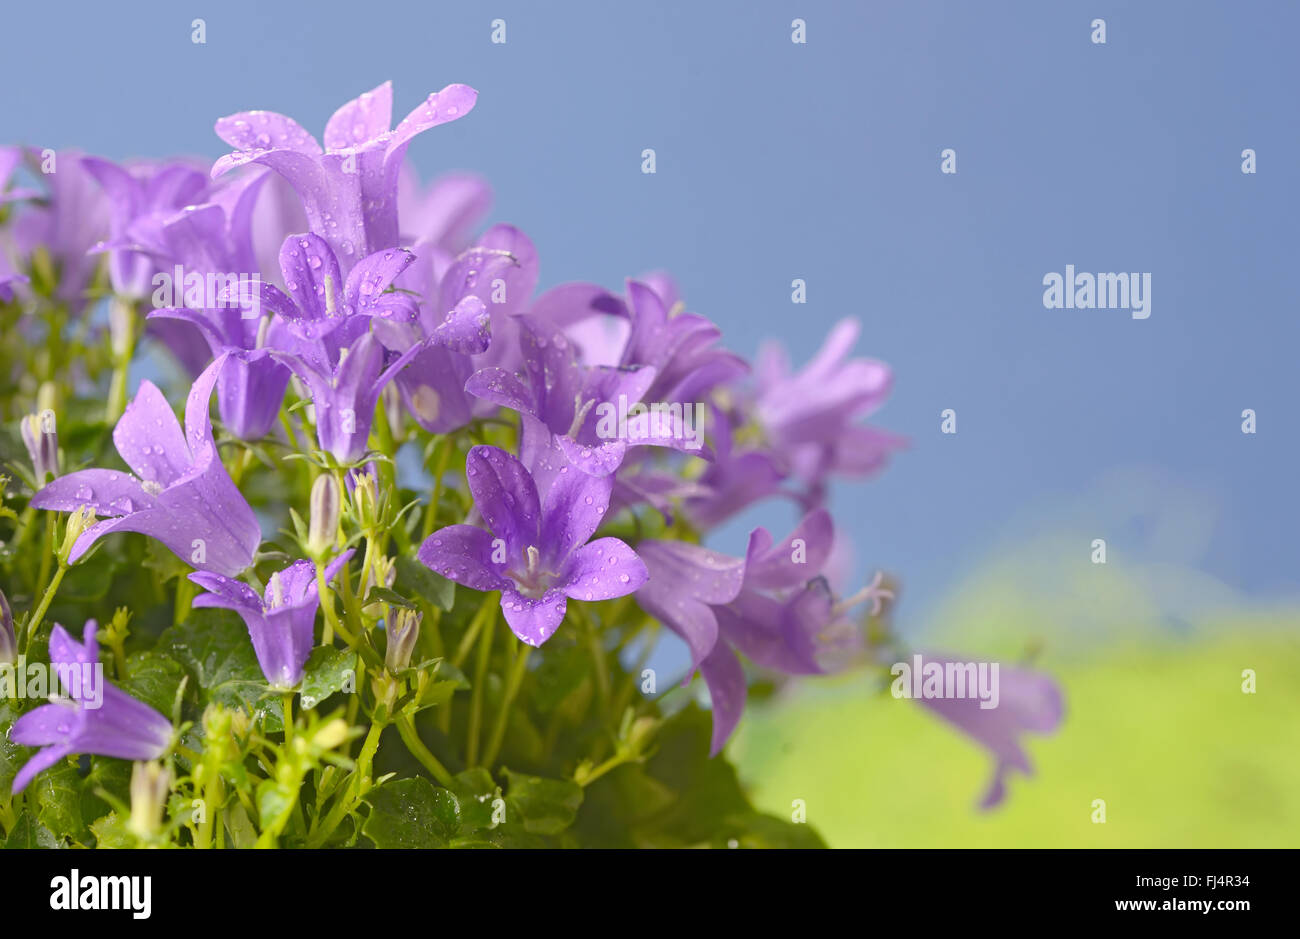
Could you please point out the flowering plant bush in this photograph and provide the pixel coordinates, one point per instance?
(404, 590)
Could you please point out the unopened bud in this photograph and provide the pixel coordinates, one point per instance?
(365, 499)
(403, 632)
(151, 783)
(8, 644)
(41, 437)
(78, 522)
(325, 508)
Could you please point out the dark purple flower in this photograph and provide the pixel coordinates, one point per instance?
(183, 495)
(282, 622)
(538, 552)
(1027, 702)
(349, 189)
(101, 719)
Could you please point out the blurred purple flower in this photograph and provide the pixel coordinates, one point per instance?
(1028, 702)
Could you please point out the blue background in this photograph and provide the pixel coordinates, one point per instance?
(821, 161)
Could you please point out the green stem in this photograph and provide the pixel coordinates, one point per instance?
(513, 681)
(476, 698)
(406, 727)
(46, 599)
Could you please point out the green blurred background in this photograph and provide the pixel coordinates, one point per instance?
(1149, 651)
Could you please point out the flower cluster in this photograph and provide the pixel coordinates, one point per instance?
(473, 448)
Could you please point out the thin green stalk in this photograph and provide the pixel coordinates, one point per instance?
(476, 694)
(513, 681)
(406, 727)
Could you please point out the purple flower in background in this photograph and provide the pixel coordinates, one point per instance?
(349, 189)
(1027, 702)
(7, 280)
(575, 404)
(70, 223)
(100, 719)
(538, 552)
(441, 216)
(774, 606)
(183, 497)
(468, 320)
(282, 622)
(809, 416)
(10, 159)
(333, 350)
(138, 196)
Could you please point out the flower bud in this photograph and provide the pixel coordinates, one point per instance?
(332, 734)
(151, 783)
(81, 519)
(8, 643)
(325, 510)
(365, 499)
(403, 632)
(41, 437)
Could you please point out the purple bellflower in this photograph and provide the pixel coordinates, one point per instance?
(334, 351)
(1028, 702)
(349, 188)
(182, 495)
(774, 606)
(281, 623)
(101, 719)
(810, 416)
(538, 552)
(67, 226)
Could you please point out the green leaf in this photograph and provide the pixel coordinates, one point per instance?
(413, 578)
(214, 648)
(12, 755)
(329, 670)
(58, 798)
(411, 813)
(477, 792)
(153, 679)
(390, 597)
(30, 833)
(547, 806)
(111, 832)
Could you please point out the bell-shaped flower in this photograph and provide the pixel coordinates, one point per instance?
(181, 493)
(98, 719)
(538, 552)
(349, 188)
(281, 623)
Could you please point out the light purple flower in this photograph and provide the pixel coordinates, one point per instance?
(568, 402)
(334, 350)
(281, 623)
(183, 495)
(120, 726)
(538, 552)
(774, 606)
(1028, 702)
(348, 189)
(72, 220)
(810, 417)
